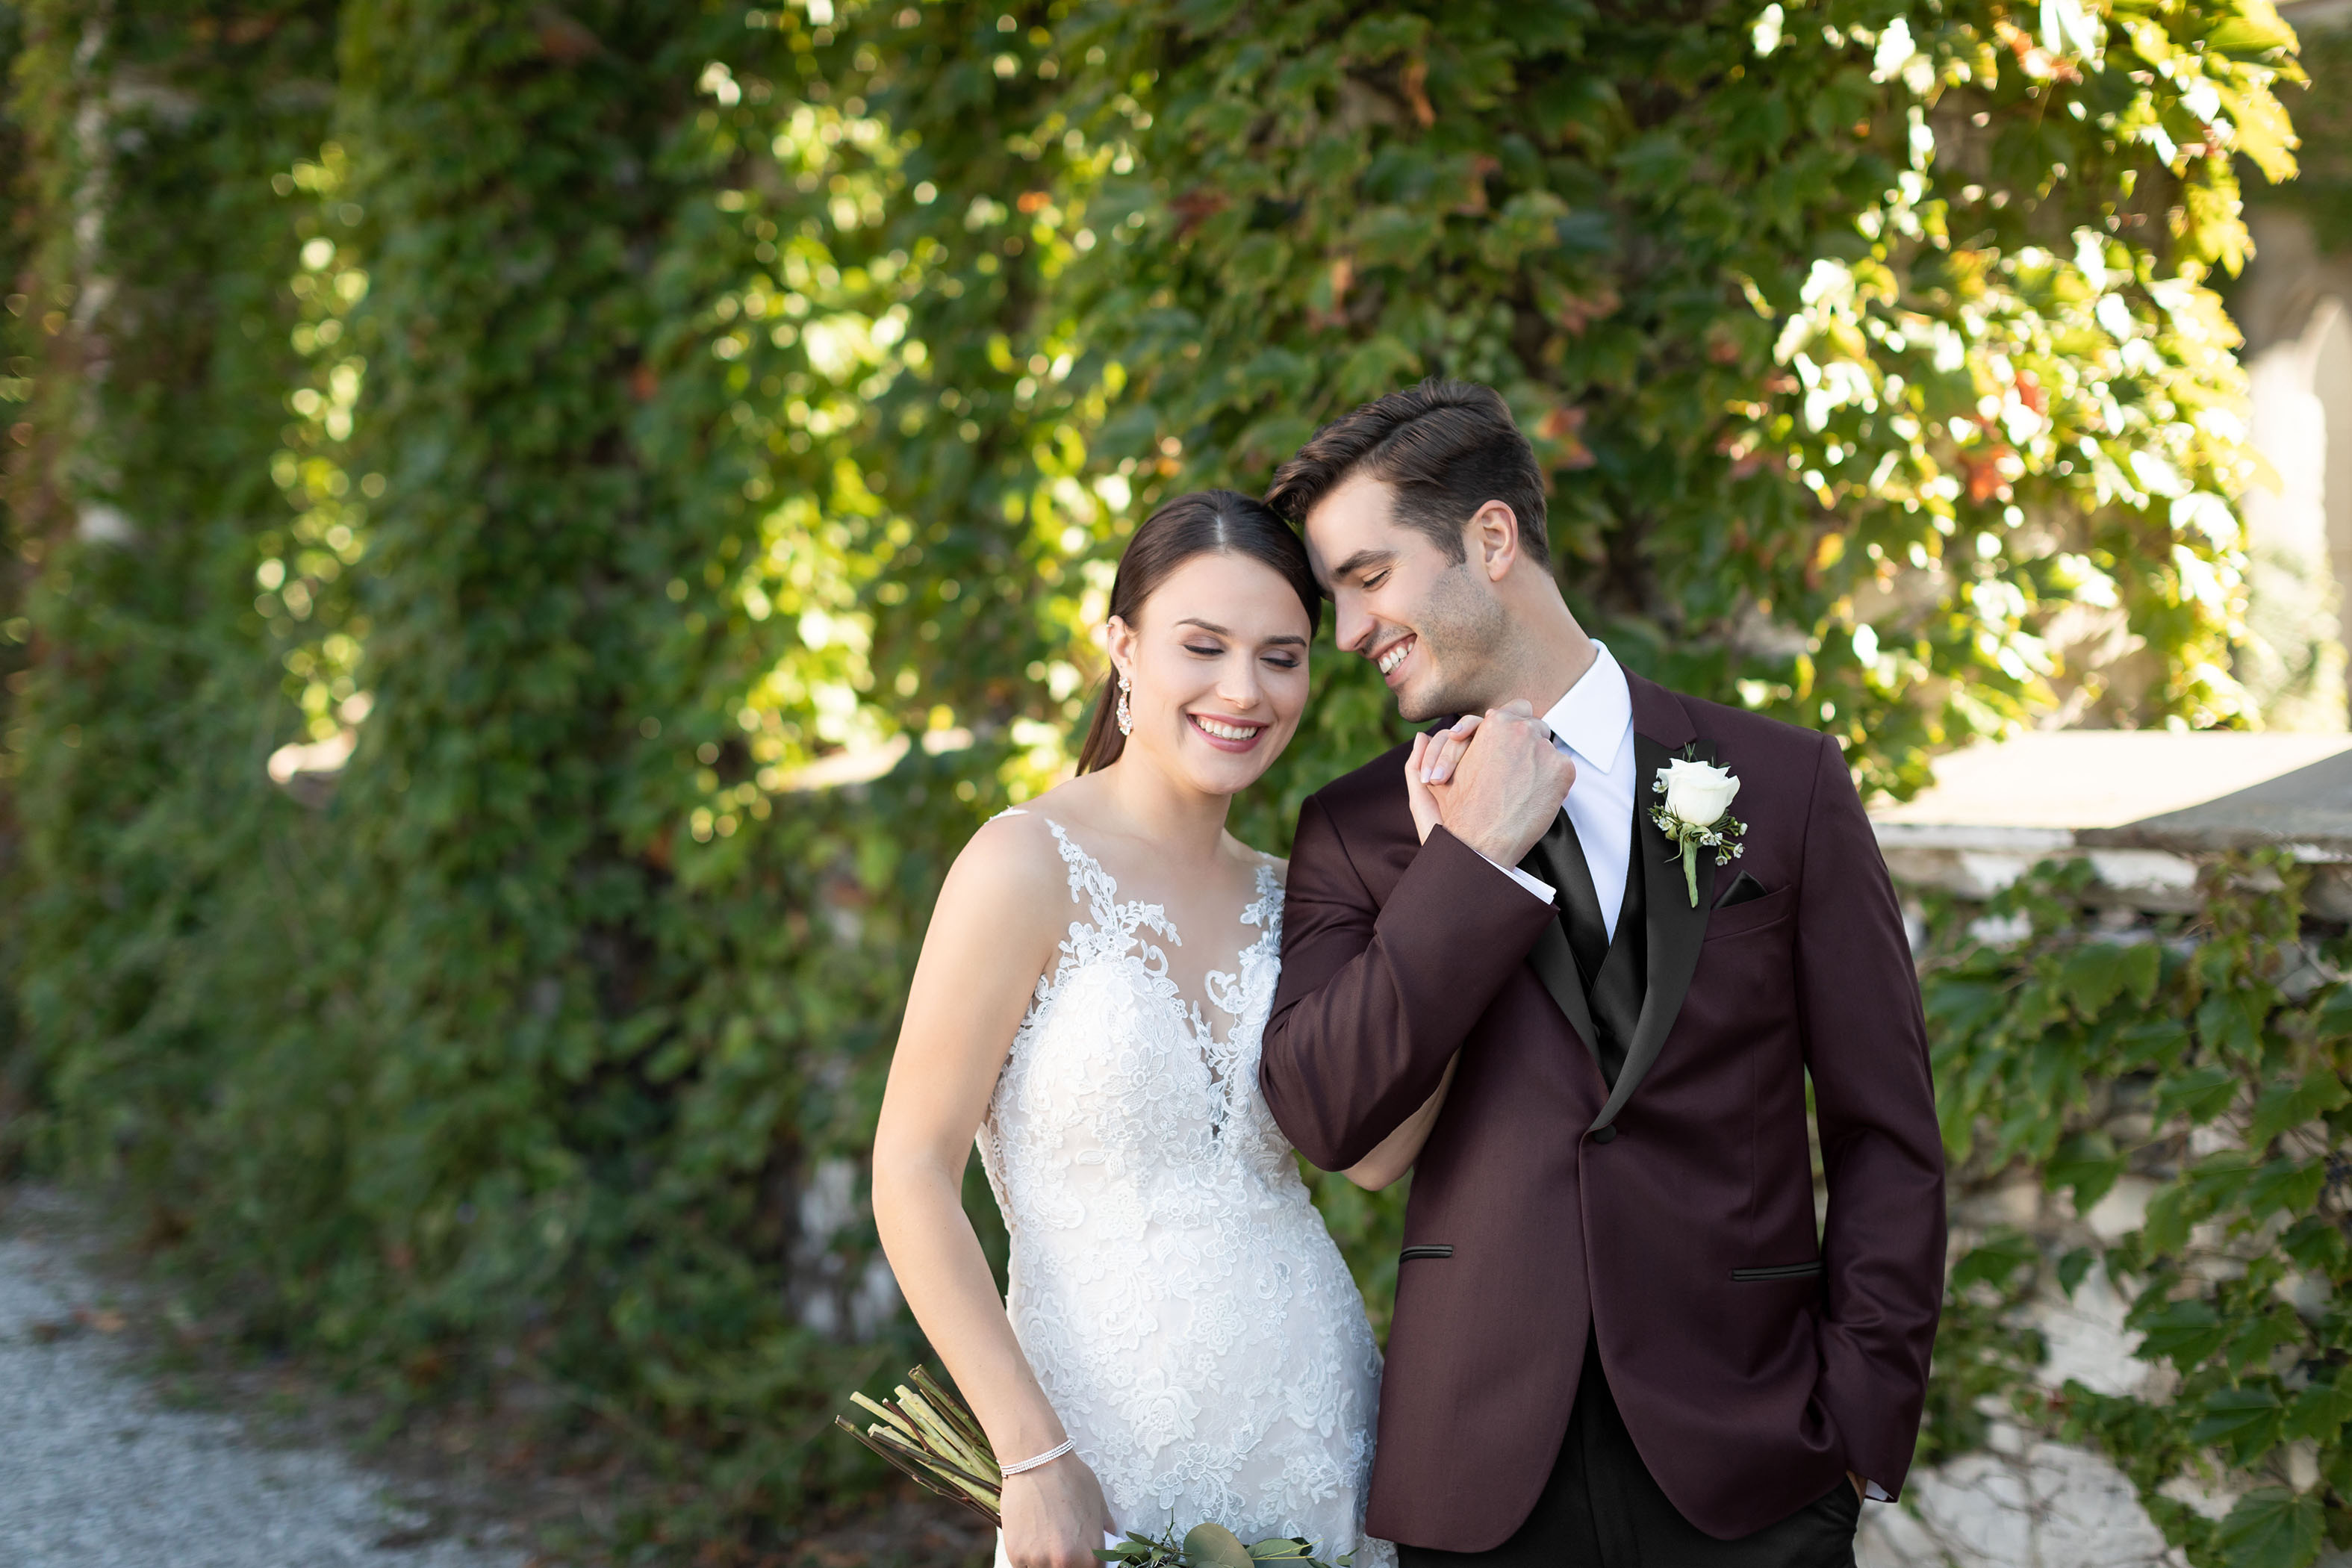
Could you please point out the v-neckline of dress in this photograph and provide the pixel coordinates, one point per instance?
(1112, 912)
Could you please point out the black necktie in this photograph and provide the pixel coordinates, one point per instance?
(1615, 973)
(1559, 858)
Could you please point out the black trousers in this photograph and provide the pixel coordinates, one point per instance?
(1600, 1508)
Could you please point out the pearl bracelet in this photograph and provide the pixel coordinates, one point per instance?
(1047, 1458)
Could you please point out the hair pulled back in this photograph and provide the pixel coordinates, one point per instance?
(1206, 522)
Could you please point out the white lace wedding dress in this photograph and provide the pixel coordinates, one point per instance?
(1185, 1308)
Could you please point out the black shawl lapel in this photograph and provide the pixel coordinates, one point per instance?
(1675, 928)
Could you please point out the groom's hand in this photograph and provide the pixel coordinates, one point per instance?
(1507, 786)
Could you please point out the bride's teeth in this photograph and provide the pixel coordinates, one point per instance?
(1226, 732)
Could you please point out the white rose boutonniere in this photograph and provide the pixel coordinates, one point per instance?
(1695, 815)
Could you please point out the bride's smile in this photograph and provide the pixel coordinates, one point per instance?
(1227, 737)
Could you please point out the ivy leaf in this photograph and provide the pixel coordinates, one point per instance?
(2291, 1102)
(2320, 1410)
(2087, 1162)
(2286, 1184)
(2250, 1347)
(1996, 1260)
(2073, 1268)
(2200, 1094)
(2097, 972)
(2182, 1332)
(2151, 1042)
(2230, 1022)
(2165, 1229)
(2317, 1244)
(2271, 1526)
(2246, 1421)
(2332, 1019)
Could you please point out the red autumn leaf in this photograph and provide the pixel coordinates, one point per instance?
(1985, 480)
(1473, 183)
(1198, 205)
(1413, 80)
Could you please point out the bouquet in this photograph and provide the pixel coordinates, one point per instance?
(927, 1435)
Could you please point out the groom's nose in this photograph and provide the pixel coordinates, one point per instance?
(1349, 624)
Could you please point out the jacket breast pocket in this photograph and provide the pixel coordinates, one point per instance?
(1753, 915)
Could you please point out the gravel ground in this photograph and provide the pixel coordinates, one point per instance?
(97, 1472)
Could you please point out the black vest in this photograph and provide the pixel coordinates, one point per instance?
(1615, 972)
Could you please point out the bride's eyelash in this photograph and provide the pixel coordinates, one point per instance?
(1282, 662)
(1208, 652)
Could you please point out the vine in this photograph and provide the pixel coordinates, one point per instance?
(2180, 1092)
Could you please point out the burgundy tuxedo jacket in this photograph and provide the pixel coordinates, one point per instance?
(1755, 1358)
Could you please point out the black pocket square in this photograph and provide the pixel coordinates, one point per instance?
(1744, 888)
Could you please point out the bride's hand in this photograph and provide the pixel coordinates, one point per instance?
(1432, 763)
(1054, 1516)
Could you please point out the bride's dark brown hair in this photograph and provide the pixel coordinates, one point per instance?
(1206, 522)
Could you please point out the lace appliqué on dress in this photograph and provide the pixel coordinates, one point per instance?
(1174, 1288)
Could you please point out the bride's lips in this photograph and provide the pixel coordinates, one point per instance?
(1237, 736)
(1391, 660)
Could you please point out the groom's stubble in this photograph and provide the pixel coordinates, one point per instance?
(1470, 639)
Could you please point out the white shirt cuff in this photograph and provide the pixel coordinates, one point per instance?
(1875, 1492)
(1536, 884)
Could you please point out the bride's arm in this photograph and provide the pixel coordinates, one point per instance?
(990, 936)
(1395, 1153)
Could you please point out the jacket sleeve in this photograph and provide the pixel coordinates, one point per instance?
(1375, 999)
(1866, 1049)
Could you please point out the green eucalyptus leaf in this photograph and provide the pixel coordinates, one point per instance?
(1211, 1545)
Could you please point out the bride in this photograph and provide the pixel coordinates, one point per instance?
(1182, 1341)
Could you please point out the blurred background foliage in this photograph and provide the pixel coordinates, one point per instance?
(534, 534)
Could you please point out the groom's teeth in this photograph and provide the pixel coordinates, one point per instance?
(1226, 732)
(1395, 656)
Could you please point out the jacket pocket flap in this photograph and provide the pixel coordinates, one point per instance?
(1410, 1253)
(1780, 1271)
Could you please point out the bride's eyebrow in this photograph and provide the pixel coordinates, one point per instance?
(1215, 630)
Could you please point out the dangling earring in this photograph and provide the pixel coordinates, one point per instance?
(1123, 713)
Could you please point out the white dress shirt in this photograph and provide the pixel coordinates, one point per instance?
(1593, 723)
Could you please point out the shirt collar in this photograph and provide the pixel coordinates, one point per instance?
(1597, 715)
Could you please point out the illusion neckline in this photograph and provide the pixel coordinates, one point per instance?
(1152, 915)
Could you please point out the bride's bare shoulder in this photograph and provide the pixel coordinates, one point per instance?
(1011, 870)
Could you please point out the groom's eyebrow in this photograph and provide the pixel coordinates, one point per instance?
(1360, 561)
(1215, 630)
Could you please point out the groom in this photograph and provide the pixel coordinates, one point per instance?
(1620, 1337)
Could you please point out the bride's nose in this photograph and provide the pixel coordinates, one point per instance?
(1238, 686)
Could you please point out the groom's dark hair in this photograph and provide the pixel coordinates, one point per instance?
(1445, 448)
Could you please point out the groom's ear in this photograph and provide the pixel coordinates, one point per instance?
(1492, 539)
